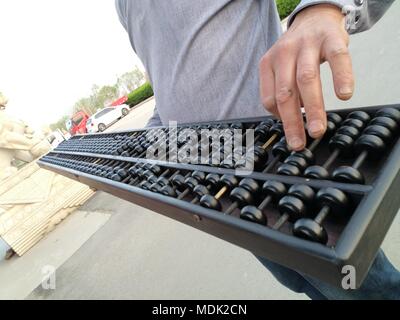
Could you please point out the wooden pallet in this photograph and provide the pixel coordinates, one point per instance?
(33, 202)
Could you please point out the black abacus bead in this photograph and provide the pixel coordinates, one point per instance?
(303, 192)
(358, 124)
(297, 161)
(210, 202)
(360, 115)
(341, 142)
(241, 195)
(292, 206)
(335, 199)
(348, 174)
(349, 131)
(178, 181)
(253, 214)
(168, 191)
(191, 182)
(280, 149)
(199, 175)
(200, 190)
(250, 185)
(308, 229)
(288, 170)
(162, 181)
(371, 143)
(316, 172)
(273, 188)
(306, 154)
(335, 118)
(229, 180)
(389, 113)
(386, 122)
(379, 131)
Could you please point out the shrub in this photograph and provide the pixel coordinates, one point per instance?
(285, 7)
(140, 94)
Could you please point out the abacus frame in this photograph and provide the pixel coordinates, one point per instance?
(357, 245)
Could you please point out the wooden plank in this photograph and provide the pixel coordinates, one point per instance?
(21, 175)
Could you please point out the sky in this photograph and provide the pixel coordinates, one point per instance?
(52, 52)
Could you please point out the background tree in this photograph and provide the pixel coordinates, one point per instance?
(129, 81)
(60, 124)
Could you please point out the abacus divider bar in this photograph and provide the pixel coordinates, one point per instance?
(360, 159)
(322, 214)
(331, 159)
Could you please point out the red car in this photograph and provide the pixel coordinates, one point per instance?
(78, 123)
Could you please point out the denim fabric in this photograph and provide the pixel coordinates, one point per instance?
(382, 282)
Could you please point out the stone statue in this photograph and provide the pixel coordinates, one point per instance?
(17, 141)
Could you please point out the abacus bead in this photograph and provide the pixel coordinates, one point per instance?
(292, 206)
(297, 161)
(241, 195)
(306, 154)
(386, 122)
(210, 202)
(250, 185)
(303, 192)
(275, 189)
(335, 118)
(348, 131)
(253, 214)
(340, 142)
(308, 229)
(379, 131)
(348, 175)
(335, 199)
(288, 170)
(200, 190)
(372, 144)
(360, 115)
(168, 191)
(390, 113)
(316, 172)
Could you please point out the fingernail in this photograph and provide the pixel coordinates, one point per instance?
(295, 143)
(346, 91)
(316, 127)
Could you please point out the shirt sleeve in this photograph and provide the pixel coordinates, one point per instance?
(120, 6)
(362, 14)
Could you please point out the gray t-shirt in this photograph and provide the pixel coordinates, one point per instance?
(202, 55)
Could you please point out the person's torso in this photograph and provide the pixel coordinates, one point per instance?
(202, 56)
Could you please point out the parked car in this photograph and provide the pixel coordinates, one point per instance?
(77, 123)
(105, 117)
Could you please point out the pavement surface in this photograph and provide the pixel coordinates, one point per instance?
(138, 254)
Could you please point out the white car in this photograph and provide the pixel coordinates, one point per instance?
(105, 117)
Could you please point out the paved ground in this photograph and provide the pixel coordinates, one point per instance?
(139, 254)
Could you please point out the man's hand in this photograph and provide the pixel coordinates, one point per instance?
(290, 71)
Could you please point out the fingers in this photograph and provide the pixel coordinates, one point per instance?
(287, 100)
(267, 86)
(336, 52)
(310, 89)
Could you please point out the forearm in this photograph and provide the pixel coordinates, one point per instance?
(365, 12)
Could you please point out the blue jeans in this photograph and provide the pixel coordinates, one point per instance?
(382, 282)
